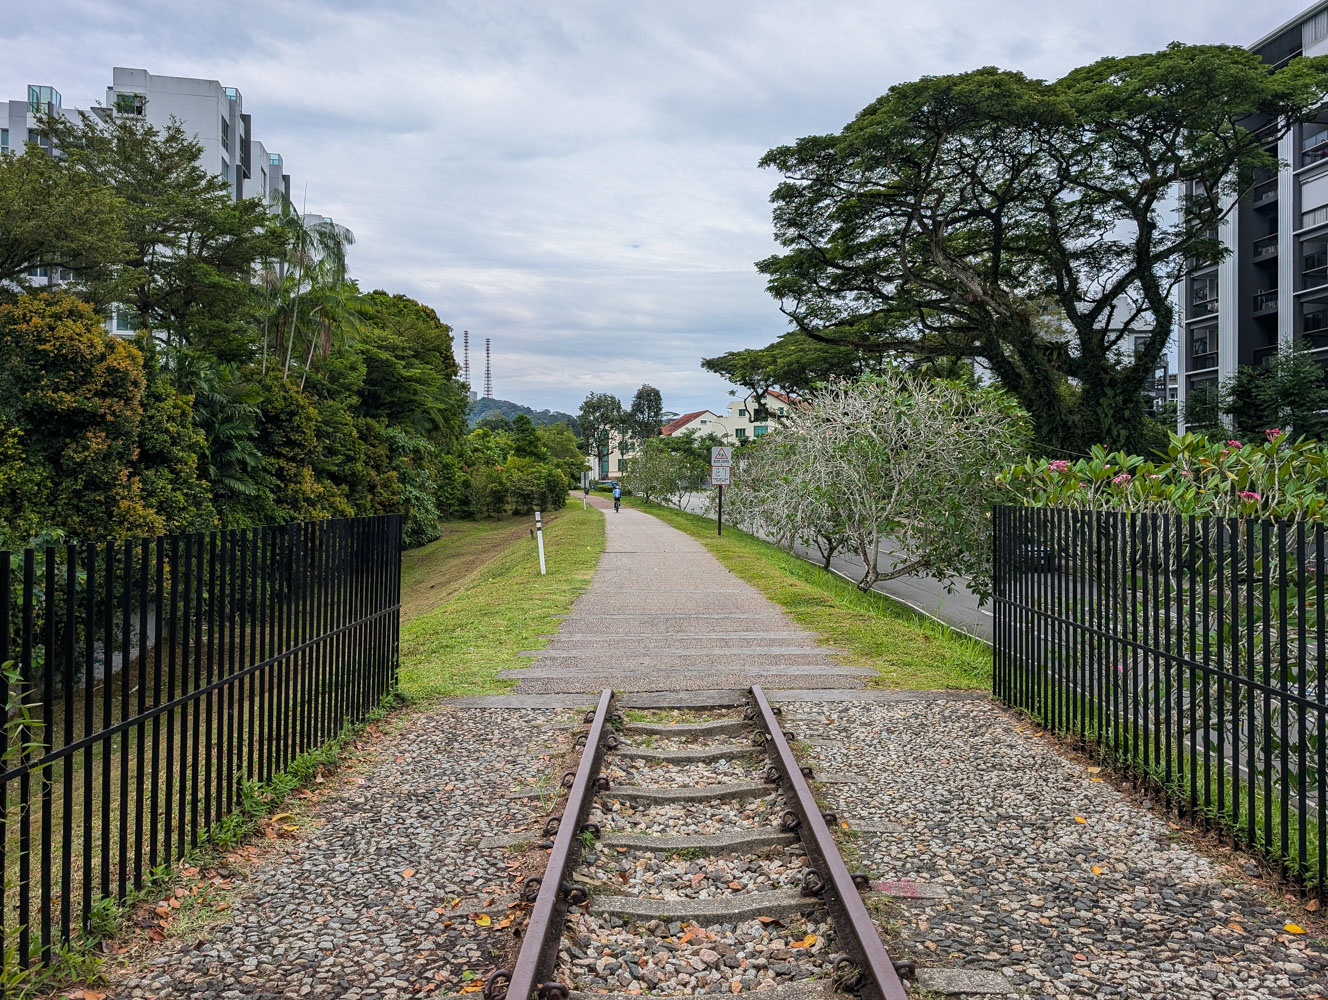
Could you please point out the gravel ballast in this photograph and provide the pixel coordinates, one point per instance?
(680, 959)
(361, 904)
(661, 774)
(658, 874)
(1056, 880)
(713, 816)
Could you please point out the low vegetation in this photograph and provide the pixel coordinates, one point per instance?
(495, 607)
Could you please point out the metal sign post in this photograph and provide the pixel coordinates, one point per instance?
(721, 460)
(539, 537)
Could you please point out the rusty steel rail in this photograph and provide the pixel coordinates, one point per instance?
(549, 894)
(867, 968)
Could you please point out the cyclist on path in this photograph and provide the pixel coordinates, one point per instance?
(617, 496)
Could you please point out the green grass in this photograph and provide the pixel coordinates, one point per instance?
(455, 646)
(906, 649)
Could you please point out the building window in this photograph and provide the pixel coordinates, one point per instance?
(781, 411)
(122, 321)
(4, 141)
(1314, 145)
(1314, 263)
(130, 104)
(43, 99)
(1203, 348)
(741, 432)
(225, 134)
(620, 462)
(225, 171)
(759, 429)
(742, 413)
(274, 159)
(1314, 324)
(705, 421)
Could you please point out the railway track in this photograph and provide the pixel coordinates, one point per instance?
(691, 856)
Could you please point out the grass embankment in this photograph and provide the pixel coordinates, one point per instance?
(474, 599)
(907, 650)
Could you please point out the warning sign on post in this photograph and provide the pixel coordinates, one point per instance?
(721, 456)
(719, 475)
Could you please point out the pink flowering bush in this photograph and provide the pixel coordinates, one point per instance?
(1275, 477)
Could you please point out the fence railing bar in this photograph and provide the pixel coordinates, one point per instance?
(1220, 626)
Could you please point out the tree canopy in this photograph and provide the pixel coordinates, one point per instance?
(1026, 223)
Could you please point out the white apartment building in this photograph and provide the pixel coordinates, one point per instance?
(743, 422)
(213, 114)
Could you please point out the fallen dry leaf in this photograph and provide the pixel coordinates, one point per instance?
(1312, 905)
(483, 920)
(1080, 819)
(1096, 870)
(1293, 929)
(408, 873)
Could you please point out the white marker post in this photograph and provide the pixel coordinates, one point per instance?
(721, 460)
(539, 537)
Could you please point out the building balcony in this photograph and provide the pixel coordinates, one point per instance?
(1203, 307)
(1265, 302)
(1314, 277)
(1314, 148)
(1264, 193)
(1266, 248)
(1264, 356)
(1314, 340)
(1200, 362)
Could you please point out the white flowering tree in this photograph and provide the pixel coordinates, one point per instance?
(901, 469)
(769, 496)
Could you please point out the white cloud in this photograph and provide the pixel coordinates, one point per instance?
(576, 181)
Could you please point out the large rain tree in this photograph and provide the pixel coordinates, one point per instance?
(1028, 224)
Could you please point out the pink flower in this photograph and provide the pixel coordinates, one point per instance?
(1247, 495)
(1122, 479)
(1155, 475)
(1187, 472)
(1233, 444)
(1273, 433)
(1060, 465)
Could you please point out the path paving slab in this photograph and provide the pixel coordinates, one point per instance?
(704, 626)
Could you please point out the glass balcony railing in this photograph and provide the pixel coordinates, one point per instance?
(1264, 193)
(1199, 362)
(1314, 147)
(1266, 247)
(1314, 277)
(1264, 356)
(1314, 340)
(1265, 301)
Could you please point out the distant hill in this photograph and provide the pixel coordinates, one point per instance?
(482, 407)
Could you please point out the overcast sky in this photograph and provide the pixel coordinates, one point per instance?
(577, 179)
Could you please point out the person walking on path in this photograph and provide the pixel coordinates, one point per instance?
(617, 496)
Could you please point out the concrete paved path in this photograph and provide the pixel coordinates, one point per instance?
(662, 614)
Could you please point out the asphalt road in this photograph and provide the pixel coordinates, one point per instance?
(959, 610)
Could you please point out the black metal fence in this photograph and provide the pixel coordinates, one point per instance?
(1190, 650)
(150, 684)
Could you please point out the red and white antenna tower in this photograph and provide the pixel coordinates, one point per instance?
(488, 372)
(465, 357)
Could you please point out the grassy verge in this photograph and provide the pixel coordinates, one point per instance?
(906, 649)
(457, 646)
